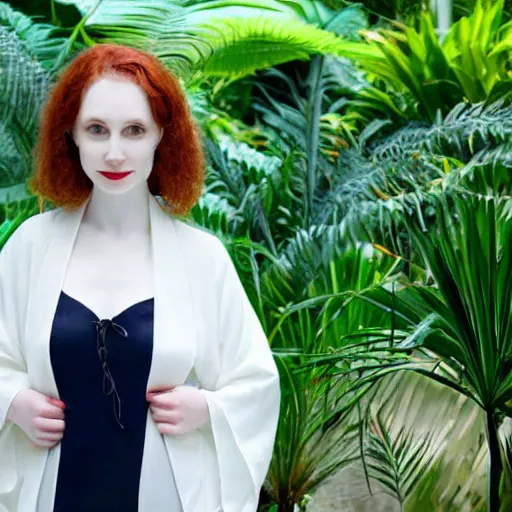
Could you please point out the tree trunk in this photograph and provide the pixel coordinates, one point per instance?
(495, 463)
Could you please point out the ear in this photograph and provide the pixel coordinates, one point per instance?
(161, 135)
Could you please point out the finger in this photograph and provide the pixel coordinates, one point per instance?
(164, 401)
(166, 428)
(161, 389)
(52, 412)
(44, 444)
(50, 436)
(162, 415)
(57, 402)
(49, 425)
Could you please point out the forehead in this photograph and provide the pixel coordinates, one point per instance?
(115, 99)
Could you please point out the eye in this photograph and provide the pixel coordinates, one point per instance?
(135, 130)
(96, 129)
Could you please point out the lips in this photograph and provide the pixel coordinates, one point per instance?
(115, 175)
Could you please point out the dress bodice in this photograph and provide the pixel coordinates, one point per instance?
(101, 369)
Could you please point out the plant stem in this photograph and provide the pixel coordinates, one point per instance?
(55, 21)
(495, 467)
(285, 507)
(314, 112)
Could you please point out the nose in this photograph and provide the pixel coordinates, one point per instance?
(115, 156)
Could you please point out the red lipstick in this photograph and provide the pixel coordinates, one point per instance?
(115, 175)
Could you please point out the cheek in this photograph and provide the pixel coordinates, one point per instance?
(145, 147)
(88, 158)
(90, 150)
(142, 154)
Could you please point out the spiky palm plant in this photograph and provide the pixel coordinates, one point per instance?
(464, 321)
(298, 297)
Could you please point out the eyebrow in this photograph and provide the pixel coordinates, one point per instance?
(98, 120)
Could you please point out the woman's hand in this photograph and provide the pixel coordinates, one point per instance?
(178, 410)
(39, 416)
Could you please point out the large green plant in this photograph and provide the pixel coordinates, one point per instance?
(276, 189)
(27, 50)
(465, 319)
(478, 49)
(219, 37)
(475, 135)
(404, 171)
(471, 63)
(23, 87)
(298, 297)
(298, 109)
(312, 443)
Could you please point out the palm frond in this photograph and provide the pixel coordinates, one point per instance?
(463, 131)
(23, 87)
(259, 186)
(415, 410)
(342, 20)
(406, 171)
(239, 49)
(160, 28)
(214, 213)
(397, 461)
(309, 446)
(217, 38)
(41, 41)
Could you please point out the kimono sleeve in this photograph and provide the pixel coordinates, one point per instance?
(13, 373)
(244, 407)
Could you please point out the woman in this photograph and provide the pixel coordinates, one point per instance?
(134, 374)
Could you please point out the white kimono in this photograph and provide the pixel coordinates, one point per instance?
(204, 329)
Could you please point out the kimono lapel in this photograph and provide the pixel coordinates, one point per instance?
(42, 304)
(173, 321)
(44, 297)
(174, 346)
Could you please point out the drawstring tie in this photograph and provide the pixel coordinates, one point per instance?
(109, 386)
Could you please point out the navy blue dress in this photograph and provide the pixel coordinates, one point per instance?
(101, 368)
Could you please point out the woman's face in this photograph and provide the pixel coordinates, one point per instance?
(116, 135)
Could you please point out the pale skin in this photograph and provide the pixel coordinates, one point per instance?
(115, 131)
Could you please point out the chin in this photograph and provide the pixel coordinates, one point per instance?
(115, 188)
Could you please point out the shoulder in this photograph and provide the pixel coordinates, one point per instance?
(37, 222)
(202, 249)
(31, 230)
(197, 238)
(24, 247)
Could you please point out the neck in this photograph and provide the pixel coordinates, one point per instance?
(118, 214)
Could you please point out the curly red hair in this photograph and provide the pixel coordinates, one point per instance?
(178, 170)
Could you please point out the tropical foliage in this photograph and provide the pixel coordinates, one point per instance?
(471, 63)
(358, 172)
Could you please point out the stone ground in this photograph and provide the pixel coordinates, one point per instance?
(347, 492)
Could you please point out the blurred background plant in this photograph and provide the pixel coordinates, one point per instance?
(358, 172)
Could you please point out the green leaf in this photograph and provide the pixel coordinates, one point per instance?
(24, 86)
(242, 48)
